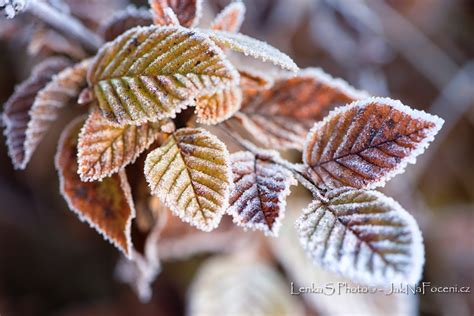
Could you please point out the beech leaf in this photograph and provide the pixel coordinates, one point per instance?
(363, 235)
(251, 80)
(283, 114)
(240, 286)
(220, 106)
(366, 143)
(188, 12)
(151, 73)
(62, 89)
(46, 41)
(258, 197)
(106, 206)
(230, 18)
(124, 20)
(16, 114)
(252, 47)
(104, 148)
(190, 173)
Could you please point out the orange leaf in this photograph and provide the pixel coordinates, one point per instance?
(188, 12)
(230, 19)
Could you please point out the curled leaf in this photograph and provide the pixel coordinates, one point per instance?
(258, 197)
(365, 236)
(220, 106)
(16, 114)
(62, 89)
(188, 12)
(123, 20)
(252, 47)
(105, 149)
(230, 19)
(366, 143)
(107, 205)
(151, 73)
(190, 174)
(283, 114)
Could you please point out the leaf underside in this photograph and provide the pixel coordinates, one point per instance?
(124, 20)
(105, 149)
(16, 113)
(366, 143)
(230, 18)
(190, 174)
(188, 12)
(151, 73)
(258, 197)
(363, 235)
(107, 205)
(283, 114)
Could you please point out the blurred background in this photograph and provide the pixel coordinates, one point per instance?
(418, 51)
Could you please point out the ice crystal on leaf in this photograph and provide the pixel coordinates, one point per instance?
(124, 20)
(16, 115)
(104, 148)
(363, 235)
(188, 12)
(150, 73)
(190, 173)
(258, 197)
(283, 114)
(107, 205)
(366, 143)
(220, 106)
(230, 19)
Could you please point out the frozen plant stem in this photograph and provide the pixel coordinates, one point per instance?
(65, 24)
(296, 169)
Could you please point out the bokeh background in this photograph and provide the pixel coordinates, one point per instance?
(418, 51)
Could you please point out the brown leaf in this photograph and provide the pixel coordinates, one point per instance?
(230, 18)
(16, 113)
(366, 143)
(251, 80)
(282, 115)
(105, 149)
(258, 197)
(62, 89)
(220, 106)
(124, 20)
(94, 12)
(188, 12)
(107, 205)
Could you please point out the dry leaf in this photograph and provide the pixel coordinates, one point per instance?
(240, 286)
(365, 236)
(188, 12)
(230, 19)
(124, 20)
(16, 114)
(258, 198)
(252, 47)
(107, 205)
(94, 12)
(105, 149)
(366, 143)
(150, 73)
(62, 89)
(252, 80)
(191, 174)
(220, 106)
(283, 114)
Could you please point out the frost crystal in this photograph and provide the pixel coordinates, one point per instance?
(363, 235)
(366, 143)
(12, 7)
(258, 198)
(219, 106)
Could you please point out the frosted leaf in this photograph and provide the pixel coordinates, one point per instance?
(230, 19)
(365, 236)
(220, 106)
(106, 206)
(188, 12)
(258, 197)
(366, 143)
(16, 110)
(62, 89)
(283, 114)
(45, 41)
(240, 286)
(252, 47)
(104, 148)
(252, 80)
(151, 73)
(124, 20)
(191, 174)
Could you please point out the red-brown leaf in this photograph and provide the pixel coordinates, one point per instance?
(188, 12)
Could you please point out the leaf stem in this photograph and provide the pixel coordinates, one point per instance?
(65, 24)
